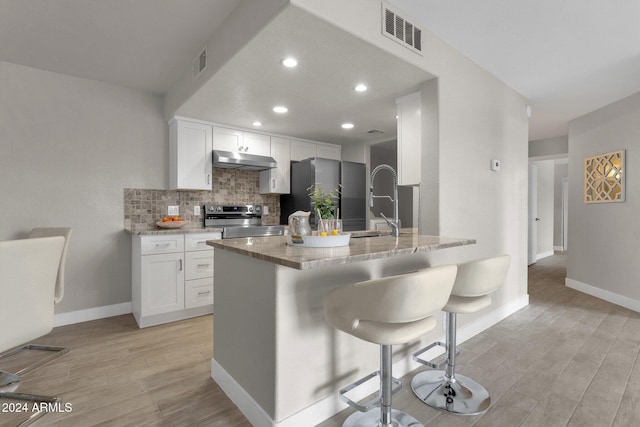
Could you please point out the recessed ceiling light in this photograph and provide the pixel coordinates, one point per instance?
(280, 109)
(347, 126)
(360, 87)
(290, 62)
(257, 123)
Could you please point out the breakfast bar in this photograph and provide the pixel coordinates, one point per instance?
(274, 355)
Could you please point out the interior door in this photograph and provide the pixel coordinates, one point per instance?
(565, 212)
(533, 214)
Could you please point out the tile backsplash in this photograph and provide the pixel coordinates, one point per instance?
(143, 207)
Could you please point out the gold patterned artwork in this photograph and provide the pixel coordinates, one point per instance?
(604, 178)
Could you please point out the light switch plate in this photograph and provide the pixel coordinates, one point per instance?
(265, 210)
(196, 211)
(495, 164)
(173, 210)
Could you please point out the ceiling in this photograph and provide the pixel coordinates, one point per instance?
(568, 58)
(319, 92)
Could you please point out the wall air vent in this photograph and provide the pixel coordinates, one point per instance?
(399, 29)
(199, 64)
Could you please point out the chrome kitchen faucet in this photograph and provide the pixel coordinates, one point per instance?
(395, 228)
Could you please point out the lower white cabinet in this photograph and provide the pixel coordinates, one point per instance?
(172, 277)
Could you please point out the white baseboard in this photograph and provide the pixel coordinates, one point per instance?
(331, 405)
(544, 255)
(88, 314)
(609, 296)
(558, 248)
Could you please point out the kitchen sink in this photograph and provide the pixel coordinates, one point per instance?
(369, 233)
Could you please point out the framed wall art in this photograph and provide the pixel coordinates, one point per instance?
(604, 178)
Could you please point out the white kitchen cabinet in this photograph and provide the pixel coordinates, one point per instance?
(172, 277)
(409, 139)
(301, 150)
(162, 283)
(278, 180)
(255, 143)
(240, 142)
(198, 288)
(190, 145)
(329, 151)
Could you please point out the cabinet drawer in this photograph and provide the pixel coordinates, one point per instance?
(198, 242)
(198, 292)
(162, 244)
(199, 264)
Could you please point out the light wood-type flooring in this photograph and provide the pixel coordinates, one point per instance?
(567, 359)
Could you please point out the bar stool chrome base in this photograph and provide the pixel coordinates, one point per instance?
(371, 418)
(460, 395)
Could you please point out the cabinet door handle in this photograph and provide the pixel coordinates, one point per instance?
(273, 183)
(204, 293)
(203, 265)
(208, 178)
(162, 245)
(179, 265)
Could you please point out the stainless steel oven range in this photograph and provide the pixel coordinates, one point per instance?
(239, 221)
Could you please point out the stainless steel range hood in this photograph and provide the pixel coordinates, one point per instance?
(231, 160)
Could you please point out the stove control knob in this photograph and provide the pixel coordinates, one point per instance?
(258, 209)
(218, 208)
(250, 208)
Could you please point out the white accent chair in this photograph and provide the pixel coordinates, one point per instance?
(387, 311)
(31, 282)
(446, 390)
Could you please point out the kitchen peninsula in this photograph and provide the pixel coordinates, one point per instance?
(274, 355)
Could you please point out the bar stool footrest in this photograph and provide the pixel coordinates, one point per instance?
(416, 355)
(397, 386)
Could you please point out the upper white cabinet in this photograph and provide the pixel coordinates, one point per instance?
(278, 180)
(244, 142)
(329, 151)
(409, 139)
(190, 145)
(301, 150)
(255, 143)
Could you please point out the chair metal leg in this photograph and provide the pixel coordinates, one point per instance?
(448, 391)
(383, 416)
(7, 378)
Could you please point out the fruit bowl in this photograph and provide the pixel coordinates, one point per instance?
(170, 224)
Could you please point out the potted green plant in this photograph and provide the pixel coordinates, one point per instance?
(323, 201)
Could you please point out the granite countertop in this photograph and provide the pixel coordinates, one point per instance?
(186, 229)
(276, 250)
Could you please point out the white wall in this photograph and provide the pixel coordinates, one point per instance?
(68, 148)
(472, 117)
(604, 238)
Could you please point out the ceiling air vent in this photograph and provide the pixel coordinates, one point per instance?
(399, 29)
(199, 64)
(372, 131)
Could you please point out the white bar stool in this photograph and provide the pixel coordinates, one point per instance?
(447, 390)
(387, 311)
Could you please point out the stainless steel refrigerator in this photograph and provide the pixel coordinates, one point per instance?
(328, 174)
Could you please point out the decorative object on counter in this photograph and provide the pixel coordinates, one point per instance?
(332, 227)
(604, 178)
(299, 226)
(171, 222)
(324, 201)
